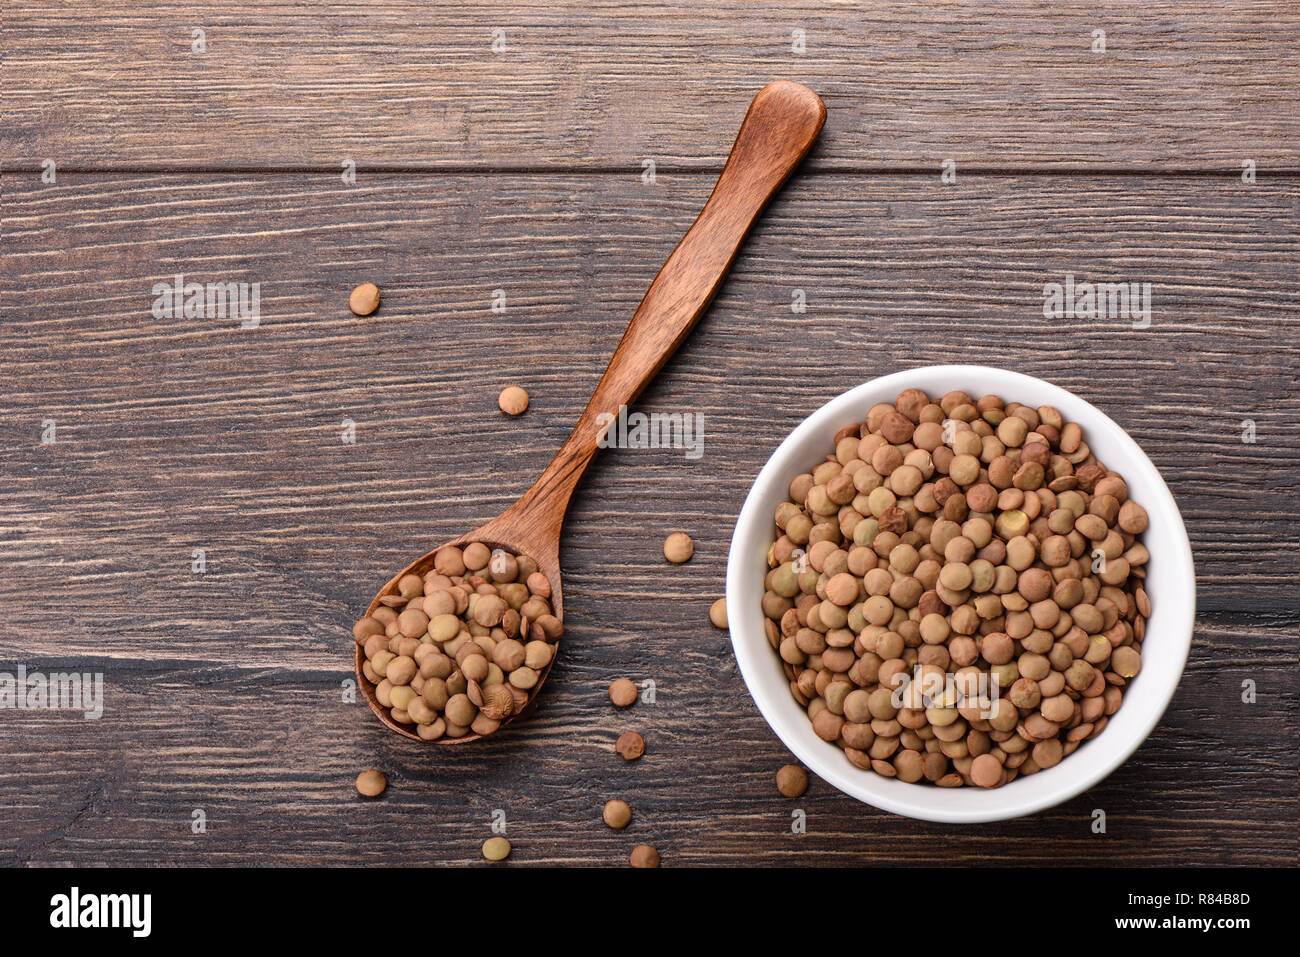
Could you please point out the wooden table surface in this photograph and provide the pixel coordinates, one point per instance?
(521, 169)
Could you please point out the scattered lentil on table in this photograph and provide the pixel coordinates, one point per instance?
(792, 781)
(643, 855)
(513, 400)
(718, 613)
(630, 745)
(371, 783)
(364, 299)
(623, 692)
(617, 814)
(678, 548)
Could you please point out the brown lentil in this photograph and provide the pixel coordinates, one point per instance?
(630, 745)
(967, 535)
(371, 783)
(678, 547)
(617, 814)
(792, 781)
(623, 692)
(364, 299)
(513, 400)
(643, 855)
(718, 613)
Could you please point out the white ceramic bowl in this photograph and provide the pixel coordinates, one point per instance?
(1171, 584)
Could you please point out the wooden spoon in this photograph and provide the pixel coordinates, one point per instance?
(782, 123)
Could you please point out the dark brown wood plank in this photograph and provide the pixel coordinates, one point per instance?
(223, 689)
(269, 757)
(1203, 84)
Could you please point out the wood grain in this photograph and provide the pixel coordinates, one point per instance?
(1198, 84)
(270, 756)
(224, 689)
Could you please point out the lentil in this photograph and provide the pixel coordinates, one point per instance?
(364, 299)
(371, 783)
(678, 548)
(643, 855)
(792, 781)
(617, 814)
(513, 400)
(623, 692)
(630, 745)
(718, 613)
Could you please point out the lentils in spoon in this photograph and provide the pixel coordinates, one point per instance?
(459, 649)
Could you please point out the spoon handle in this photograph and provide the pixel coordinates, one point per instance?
(778, 131)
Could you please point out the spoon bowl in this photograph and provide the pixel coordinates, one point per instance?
(779, 129)
(502, 532)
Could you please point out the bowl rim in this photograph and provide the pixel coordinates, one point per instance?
(1177, 617)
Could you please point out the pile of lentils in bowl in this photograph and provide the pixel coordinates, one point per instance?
(956, 594)
(459, 650)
